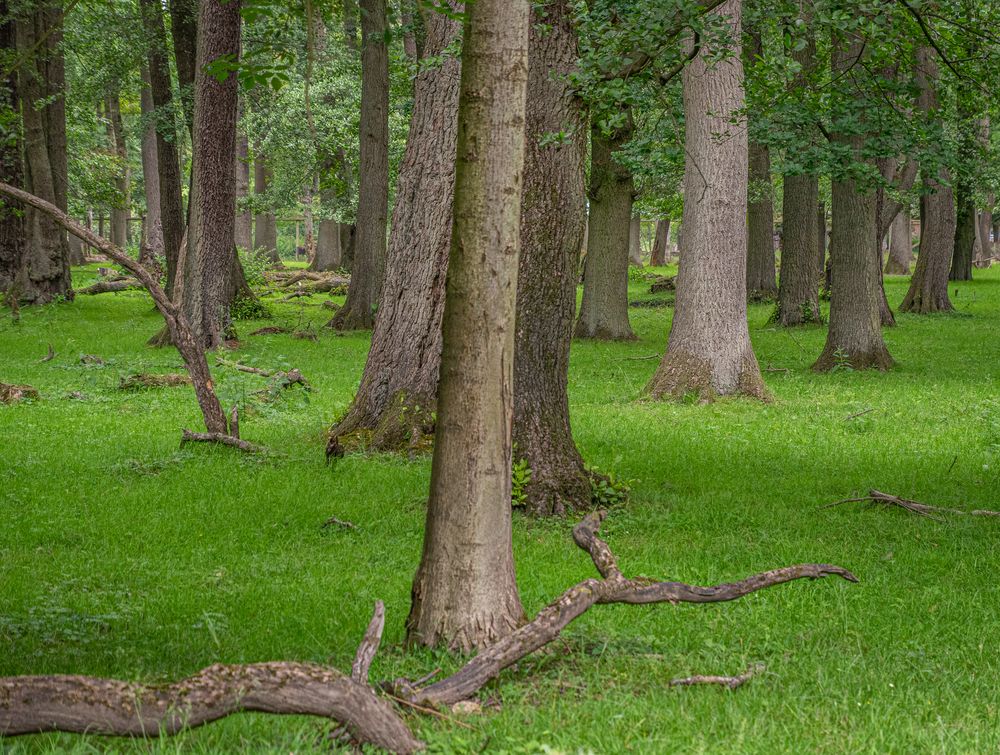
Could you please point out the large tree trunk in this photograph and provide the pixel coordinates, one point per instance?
(12, 215)
(900, 245)
(661, 244)
(167, 159)
(265, 231)
(209, 271)
(604, 308)
(368, 268)
(116, 140)
(54, 73)
(464, 593)
(244, 218)
(635, 241)
(709, 350)
(761, 283)
(855, 335)
(328, 251)
(398, 392)
(152, 237)
(45, 273)
(928, 290)
(552, 220)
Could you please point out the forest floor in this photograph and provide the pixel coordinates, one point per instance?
(122, 555)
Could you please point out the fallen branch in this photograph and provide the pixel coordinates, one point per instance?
(11, 393)
(365, 653)
(732, 682)
(107, 287)
(334, 521)
(144, 380)
(914, 507)
(49, 356)
(223, 438)
(859, 414)
(613, 588)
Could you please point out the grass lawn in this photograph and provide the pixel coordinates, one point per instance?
(122, 555)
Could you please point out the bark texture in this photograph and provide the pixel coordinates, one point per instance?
(244, 218)
(184, 18)
(635, 241)
(709, 350)
(368, 268)
(395, 402)
(152, 235)
(661, 244)
(900, 245)
(552, 220)
(464, 592)
(12, 217)
(116, 141)
(604, 308)
(761, 276)
(928, 290)
(854, 338)
(265, 232)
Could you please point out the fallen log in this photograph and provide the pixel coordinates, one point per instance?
(107, 287)
(226, 439)
(144, 380)
(11, 393)
(732, 682)
(879, 498)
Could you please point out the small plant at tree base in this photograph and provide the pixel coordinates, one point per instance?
(520, 477)
(842, 361)
(606, 491)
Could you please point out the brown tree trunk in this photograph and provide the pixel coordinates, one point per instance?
(244, 218)
(900, 245)
(116, 140)
(184, 32)
(464, 593)
(760, 226)
(45, 273)
(167, 160)
(552, 220)
(54, 73)
(368, 268)
(854, 338)
(821, 240)
(398, 392)
(152, 238)
(265, 232)
(709, 350)
(928, 290)
(635, 241)
(308, 224)
(965, 239)
(985, 225)
(604, 308)
(12, 215)
(209, 279)
(660, 255)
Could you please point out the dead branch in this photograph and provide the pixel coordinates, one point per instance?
(849, 417)
(11, 393)
(879, 498)
(732, 682)
(365, 653)
(89, 705)
(613, 588)
(48, 356)
(334, 521)
(223, 438)
(107, 287)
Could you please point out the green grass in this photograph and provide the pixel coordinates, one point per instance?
(122, 555)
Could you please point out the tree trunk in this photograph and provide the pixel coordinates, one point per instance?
(368, 268)
(54, 73)
(854, 338)
(45, 273)
(309, 226)
(116, 140)
(604, 308)
(709, 350)
(929, 285)
(265, 232)
(464, 593)
(167, 160)
(635, 241)
(184, 31)
(661, 241)
(821, 240)
(152, 238)
(965, 235)
(900, 245)
(12, 215)
(552, 220)
(244, 218)
(209, 279)
(760, 226)
(985, 225)
(396, 400)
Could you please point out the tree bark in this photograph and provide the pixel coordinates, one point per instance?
(116, 140)
(464, 593)
(368, 269)
(761, 276)
(635, 241)
(265, 232)
(854, 337)
(661, 244)
(604, 308)
(821, 240)
(552, 220)
(54, 73)
(12, 215)
(398, 393)
(45, 273)
(184, 32)
(244, 218)
(928, 290)
(167, 160)
(985, 225)
(209, 276)
(709, 350)
(152, 238)
(900, 245)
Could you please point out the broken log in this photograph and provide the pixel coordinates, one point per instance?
(11, 393)
(107, 287)
(732, 682)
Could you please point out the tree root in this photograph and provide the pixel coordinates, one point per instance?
(732, 682)
(914, 507)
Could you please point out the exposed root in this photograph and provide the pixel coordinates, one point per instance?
(834, 358)
(681, 374)
(11, 393)
(732, 682)
(914, 507)
(405, 426)
(145, 380)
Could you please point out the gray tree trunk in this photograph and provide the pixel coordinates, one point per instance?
(152, 237)
(265, 231)
(464, 593)
(116, 140)
(635, 241)
(244, 218)
(661, 244)
(761, 282)
(900, 245)
(12, 216)
(709, 350)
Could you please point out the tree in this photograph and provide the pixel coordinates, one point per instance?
(152, 235)
(244, 218)
(464, 593)
(368, 268)
(116, 140)
(209, 283)
(604, 307)
(709, 350)
(900, 245)
(265, 232)
(552, 221)
(928, 290)
(761, 275)
(855, 334)
(661, 242)
(12, 226)
(397, 397)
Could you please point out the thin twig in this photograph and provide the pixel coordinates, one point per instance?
(859, 414)
(732, 682)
